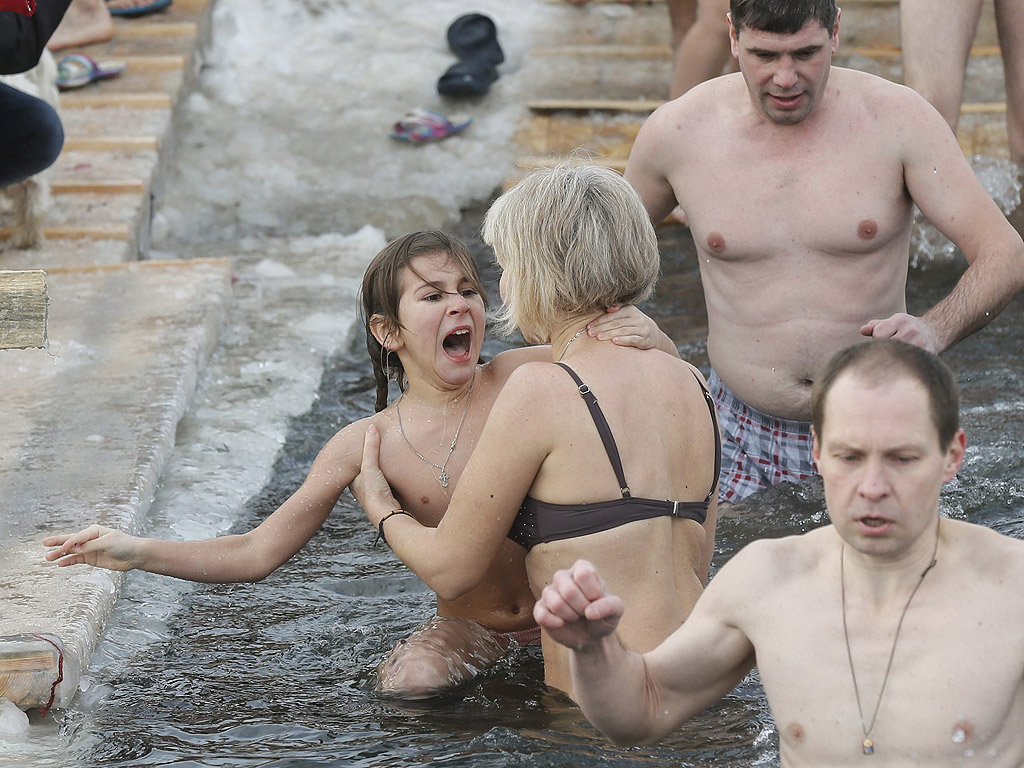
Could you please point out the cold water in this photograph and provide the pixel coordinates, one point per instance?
(280, 673)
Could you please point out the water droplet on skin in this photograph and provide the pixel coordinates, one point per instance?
(959, 736)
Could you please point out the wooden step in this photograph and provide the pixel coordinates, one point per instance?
(30, 666)
(990, 108)
(69, 186)
(112, 143)
(603, 135)
(134, 29)
(596, 105)
(22, 326)
(166, 61)
(61, 252)
(78, 232)
(79, 100)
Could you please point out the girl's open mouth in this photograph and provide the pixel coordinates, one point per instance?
(457, 344)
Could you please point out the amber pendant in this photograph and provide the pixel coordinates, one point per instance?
(869, 746)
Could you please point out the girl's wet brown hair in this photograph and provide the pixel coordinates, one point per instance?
(380, 295)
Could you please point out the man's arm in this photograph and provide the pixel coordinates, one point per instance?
(645, 170)
(633, 698)
(944, 187)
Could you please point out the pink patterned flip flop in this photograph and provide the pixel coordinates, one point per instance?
(422, 125)
(77, 69)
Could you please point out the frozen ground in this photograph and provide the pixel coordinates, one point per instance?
(288, 133)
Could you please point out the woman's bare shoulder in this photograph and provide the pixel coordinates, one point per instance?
(501, 367)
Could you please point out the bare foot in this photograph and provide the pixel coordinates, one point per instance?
(86, 21)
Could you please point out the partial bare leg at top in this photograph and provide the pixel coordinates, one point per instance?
(86, 21)
(1010, 21)
(936, 37)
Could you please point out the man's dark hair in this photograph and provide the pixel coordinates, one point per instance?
(782, 17)
(883, 360)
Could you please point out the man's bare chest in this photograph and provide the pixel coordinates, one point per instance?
(756, 203)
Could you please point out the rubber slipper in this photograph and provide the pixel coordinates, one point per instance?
(474, 36)
(77, 69)
(422, 125)
(467, 78)
(474, 39)
(140, 10)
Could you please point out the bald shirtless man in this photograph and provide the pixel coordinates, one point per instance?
(799, 180)
(891, 632)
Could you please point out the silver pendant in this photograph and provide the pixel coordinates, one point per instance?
(444, 477)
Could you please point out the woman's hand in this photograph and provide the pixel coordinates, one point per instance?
(96, 546)
(627, 326)
(370, 487)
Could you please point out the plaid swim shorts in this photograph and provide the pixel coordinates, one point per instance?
(758, 450)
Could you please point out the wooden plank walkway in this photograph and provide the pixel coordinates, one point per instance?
(103, 182)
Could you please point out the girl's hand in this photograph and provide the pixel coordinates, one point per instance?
(96, 546)
(627, 326)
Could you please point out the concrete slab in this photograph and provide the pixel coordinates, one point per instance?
(88, 425)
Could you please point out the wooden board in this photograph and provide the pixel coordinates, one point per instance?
(23, 305)
(30, 666)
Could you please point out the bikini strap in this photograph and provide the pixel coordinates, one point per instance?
(602, 429)
(718, 438)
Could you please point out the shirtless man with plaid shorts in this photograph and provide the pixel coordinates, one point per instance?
(799, 180)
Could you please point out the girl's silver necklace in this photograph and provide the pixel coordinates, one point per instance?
(868, 746)
(444, 477)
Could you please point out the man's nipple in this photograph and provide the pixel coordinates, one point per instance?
(867, 229)
(716, 242)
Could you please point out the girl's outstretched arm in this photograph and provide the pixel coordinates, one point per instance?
(249, 556)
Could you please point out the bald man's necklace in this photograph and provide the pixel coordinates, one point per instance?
(444, 477)
(868, 745)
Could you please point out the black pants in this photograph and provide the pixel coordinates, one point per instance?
(31, 135)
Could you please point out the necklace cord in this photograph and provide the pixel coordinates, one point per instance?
(444, 477)
(868, 728)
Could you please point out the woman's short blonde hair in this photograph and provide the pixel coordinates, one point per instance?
(572, 240)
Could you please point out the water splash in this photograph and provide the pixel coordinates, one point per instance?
(1000, 178)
